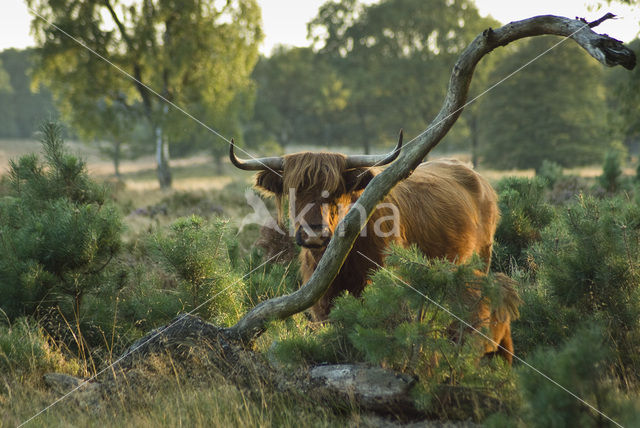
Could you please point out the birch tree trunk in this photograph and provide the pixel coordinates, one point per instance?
(117, 148)
(162, 159)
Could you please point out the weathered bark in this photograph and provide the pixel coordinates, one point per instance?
(605, 49)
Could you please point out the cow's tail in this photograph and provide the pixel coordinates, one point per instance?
(503, 312)
(507, 309)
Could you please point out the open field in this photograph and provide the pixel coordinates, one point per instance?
(198, 172)
(139, 189)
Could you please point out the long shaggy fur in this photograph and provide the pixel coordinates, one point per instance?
(495, 317)
(446, 209)
(307, 172)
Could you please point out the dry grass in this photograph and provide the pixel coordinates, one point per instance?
(184, 184)
(14, 148)
(170, 388)
(191, 173)
(167, 401)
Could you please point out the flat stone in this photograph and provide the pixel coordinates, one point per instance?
(371, 387)
(85, 394)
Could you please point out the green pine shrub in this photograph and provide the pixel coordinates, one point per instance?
(196, 251)
(582, 366)
(268, 280)
(524, 214)
(26, 348)
(58, 232)
(550, 171)
(543, 321)
(126, 307)
(589, 261)
(299, 343)
(611, 176)
(395, 326)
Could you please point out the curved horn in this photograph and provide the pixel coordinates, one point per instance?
(255, 164)
(362, 161)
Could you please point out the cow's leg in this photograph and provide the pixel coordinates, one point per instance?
(485, 254)
(506, 345)
(501, 343)
(320, 311)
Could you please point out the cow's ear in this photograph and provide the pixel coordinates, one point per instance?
(357, 179)
(269, 182)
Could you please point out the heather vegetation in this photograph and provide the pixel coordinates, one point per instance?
(73, 305)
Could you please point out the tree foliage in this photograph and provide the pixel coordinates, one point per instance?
(196, 54)
(23, 106)
(624, 103)
(552, 109)
(299, 99)
(395, 57)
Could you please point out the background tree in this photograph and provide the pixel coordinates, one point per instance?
(470, 119)
(390, 51)
(5, 83)
(197, 54)
(23, 106)
(553, 109)
(299, 98)
(109, 121)
(115, 128)
(624, 104)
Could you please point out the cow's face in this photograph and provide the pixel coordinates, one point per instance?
(320, 191)
(320, 187)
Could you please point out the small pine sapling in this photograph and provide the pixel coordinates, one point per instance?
(58, 232)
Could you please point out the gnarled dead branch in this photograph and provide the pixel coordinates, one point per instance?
(605, 49)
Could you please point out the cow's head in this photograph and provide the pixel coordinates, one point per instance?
(320, 187)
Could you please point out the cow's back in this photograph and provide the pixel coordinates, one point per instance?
(447, 210)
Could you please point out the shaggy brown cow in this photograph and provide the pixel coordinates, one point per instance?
(444, 207)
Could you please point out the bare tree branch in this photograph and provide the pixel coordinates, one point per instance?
(605, 49)
(119, 24)
(597, 21)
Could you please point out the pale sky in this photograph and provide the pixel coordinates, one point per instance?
(285, 20)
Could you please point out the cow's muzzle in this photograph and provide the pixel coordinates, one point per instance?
(313, 236)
